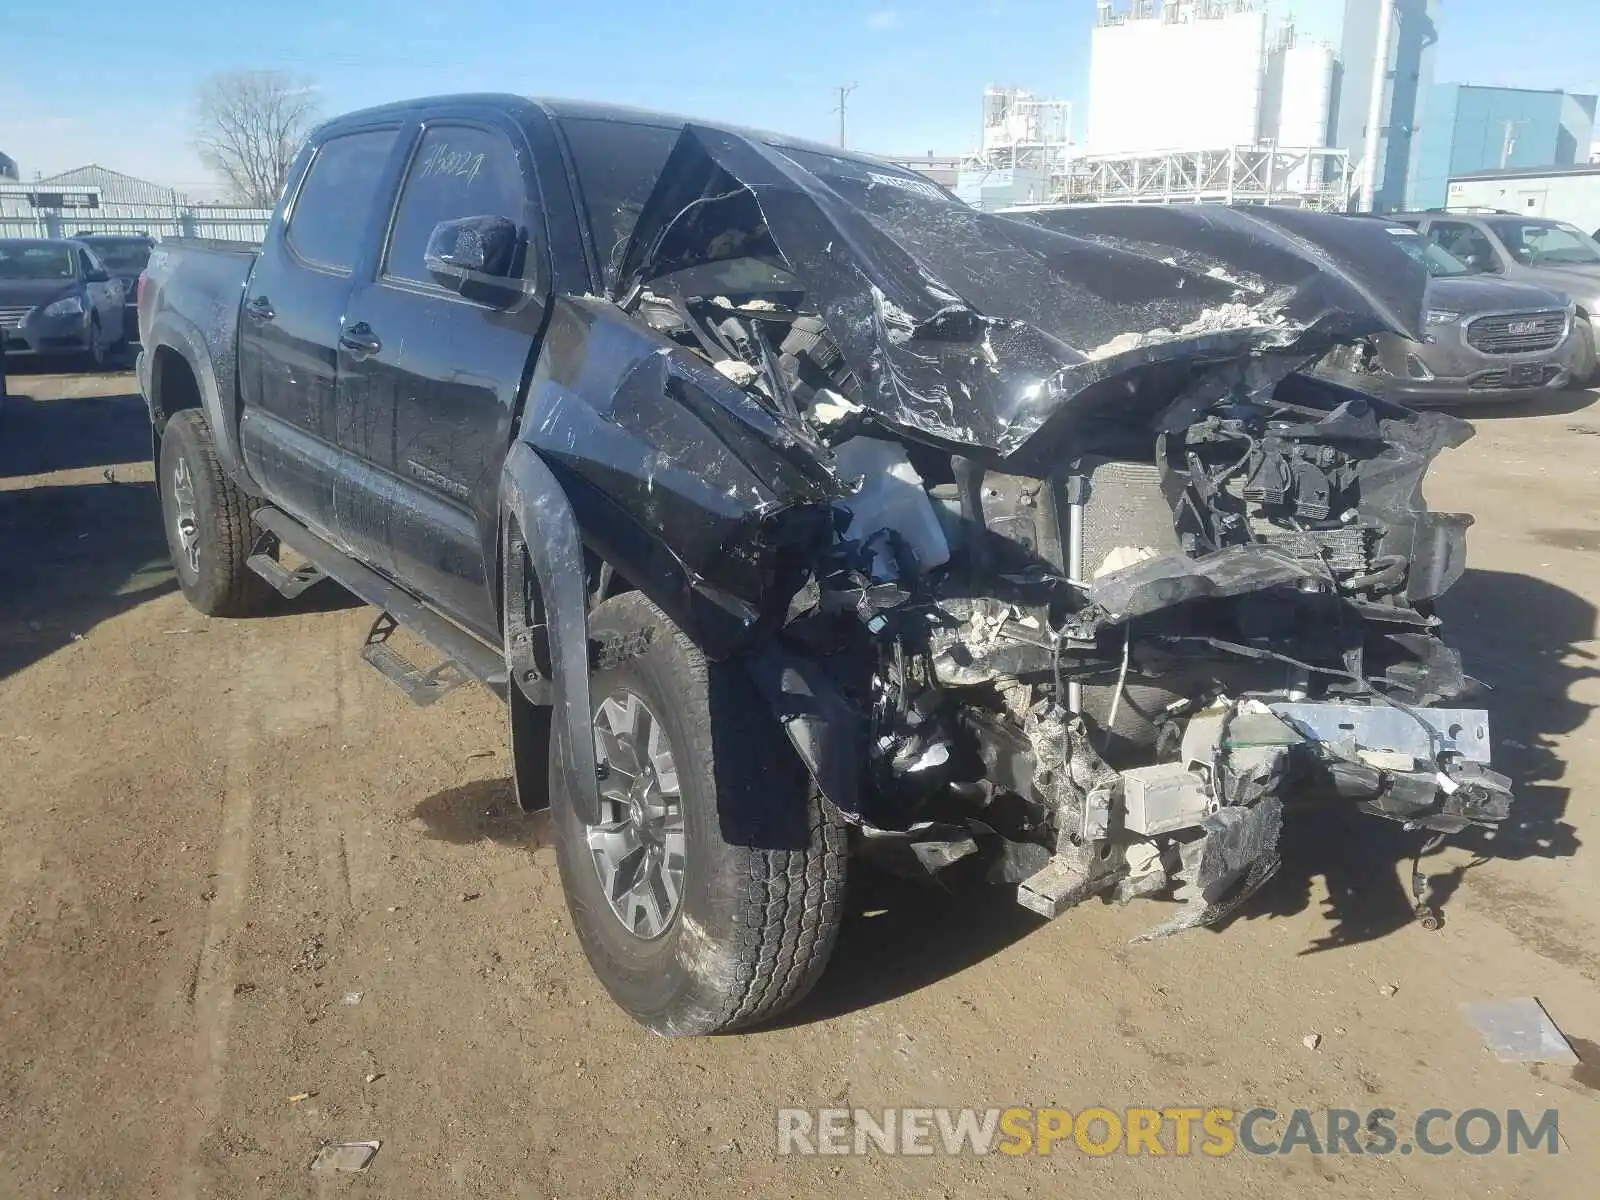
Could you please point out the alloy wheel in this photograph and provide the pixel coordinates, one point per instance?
(638, 848)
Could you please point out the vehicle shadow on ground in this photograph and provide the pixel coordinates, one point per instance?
(72, 556)
(900, 935)
(1520, 635)
(484, 810)
(41, 436)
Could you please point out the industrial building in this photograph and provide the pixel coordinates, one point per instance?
(1402, 35)
(1468, 129)
(1024, 150)
(1208, 101)
(1175, 75)
(1569, 194)
(100, 200)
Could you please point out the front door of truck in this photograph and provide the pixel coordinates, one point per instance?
(290, 322)
(444, 370)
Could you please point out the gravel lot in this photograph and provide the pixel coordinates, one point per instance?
(251, 901)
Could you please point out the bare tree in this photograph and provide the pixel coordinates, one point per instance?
(250, 125)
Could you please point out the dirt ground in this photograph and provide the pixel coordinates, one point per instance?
(252, 901)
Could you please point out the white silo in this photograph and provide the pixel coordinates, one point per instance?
(1180, 74)
(1307, 90)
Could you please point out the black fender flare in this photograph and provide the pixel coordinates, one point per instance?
(546, 630)
(184, 338)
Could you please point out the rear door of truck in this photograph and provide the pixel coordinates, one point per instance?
(329, 227)
(434, 377)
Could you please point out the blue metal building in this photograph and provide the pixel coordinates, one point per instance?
(1467, 129)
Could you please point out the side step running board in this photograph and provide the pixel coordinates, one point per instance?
(476, 658)
(421, 687)
(289, 584)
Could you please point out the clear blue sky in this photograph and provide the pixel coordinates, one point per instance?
(112, 82)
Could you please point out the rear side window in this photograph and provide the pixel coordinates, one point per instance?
(335, 201)
(617, 163)
(457, 171)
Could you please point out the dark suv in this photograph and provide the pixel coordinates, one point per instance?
(1536, 250)
(1488, 339)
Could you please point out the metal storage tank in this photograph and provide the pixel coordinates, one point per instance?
(1180, 74)
(1307, 90)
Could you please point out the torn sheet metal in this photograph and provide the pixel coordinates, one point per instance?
(1223, 869)
(679, 478)
(975, 329)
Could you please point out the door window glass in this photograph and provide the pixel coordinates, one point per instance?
(456, 172)
(1463, 241)
(335, 201)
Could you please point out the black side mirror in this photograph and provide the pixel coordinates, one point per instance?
(476, 257)
(97, 277)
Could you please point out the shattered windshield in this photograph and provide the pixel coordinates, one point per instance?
(617, 163)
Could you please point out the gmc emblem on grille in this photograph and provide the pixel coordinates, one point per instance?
(1522, 328)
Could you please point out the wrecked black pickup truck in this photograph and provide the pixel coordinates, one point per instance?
(795, 508)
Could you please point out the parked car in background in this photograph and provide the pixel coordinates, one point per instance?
(56, 297)
(1535, 250)
(125, 256)
(1488, 339)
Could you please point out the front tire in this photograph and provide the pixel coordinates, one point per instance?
(709, 896)
(1586, 369)
(95, 353)
(207, 520)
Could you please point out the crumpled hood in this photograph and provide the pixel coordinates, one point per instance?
(973, 329)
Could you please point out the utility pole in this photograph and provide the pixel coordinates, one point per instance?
(844, 91)
(1509, 145)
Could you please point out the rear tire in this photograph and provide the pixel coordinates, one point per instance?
(755, 910)
(207, 520)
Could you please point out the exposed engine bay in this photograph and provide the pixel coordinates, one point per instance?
(1119, 609)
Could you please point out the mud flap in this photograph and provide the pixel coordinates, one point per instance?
(542, 533)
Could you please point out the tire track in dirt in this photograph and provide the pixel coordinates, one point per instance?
(211, 984)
